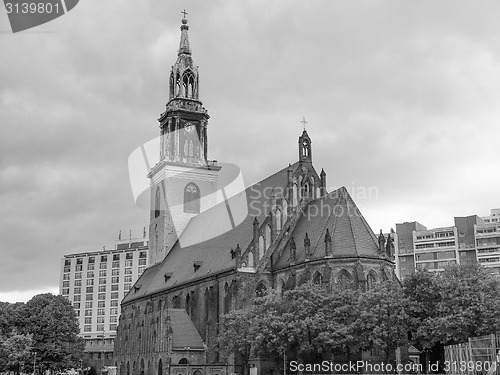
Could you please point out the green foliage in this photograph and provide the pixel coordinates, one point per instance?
(449, 307)
(54, 327)
(17, 349)
(382, 322)
(46, 325)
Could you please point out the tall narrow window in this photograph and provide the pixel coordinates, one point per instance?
(157, 202)
(278, 220)
(192, 199)
(294, 195)
(250, 259)
(268, 236)
(261, 247)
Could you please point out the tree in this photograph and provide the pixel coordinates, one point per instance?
(449, 307)
(17, 350)
(235, 335)
(383, 322)
(52, 322)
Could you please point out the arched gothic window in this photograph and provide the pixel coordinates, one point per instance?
(294, 195)
(371, 280)
(157, 202)
(250, 259)
(192, 199)
(268, 236)
(284, 211)
(261, 247)
(344, 279)
(160, 367)
(278, 219)
(183, 361)
(318, 279)
(191, 152)
(261, 290)
(306, 151)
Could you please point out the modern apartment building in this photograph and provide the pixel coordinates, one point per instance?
(96, 282)
(471, 239)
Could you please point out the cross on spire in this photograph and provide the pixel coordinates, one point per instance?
(304, 122)
(184, 13)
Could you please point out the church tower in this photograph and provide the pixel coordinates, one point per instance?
(183, 183)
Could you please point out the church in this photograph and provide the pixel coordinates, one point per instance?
(212, 252)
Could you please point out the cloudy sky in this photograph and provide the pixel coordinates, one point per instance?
(399, 96)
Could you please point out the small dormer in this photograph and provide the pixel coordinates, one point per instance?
(167, 276)
(196, 265)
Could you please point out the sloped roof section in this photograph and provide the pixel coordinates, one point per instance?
(351, 235)
(213, 255)
(184, 332)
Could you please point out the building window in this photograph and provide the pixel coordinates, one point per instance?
(157, 202)
(100, 319)
(114, 302)
(102, 280)
(114, 295)
(78, 282)
(67, 262)
(115, 272)
(77, 313)
(261, 247)
(114, 287)
(89, 297)
(141, 269)
(103, 266)
(67, 269)
(66, 276)
(128, 271)
(128, 279)
(89, 280)
(77, 298)
(90, 266)
(143, 255)
(112, 327)
(113, 311)
(113, 319)
(102, 273)
(65, 291)
(129, 256)
(104, 258)
(128, 263)
(88, 305)
(100, 311)
(127, 287)
(65, 284)
(78, 267)
(115, 264)
(77, 290)
(90, 289)
(87, 328)
(101, 296)
(192, 199)
(102, 288)
(115, 279)
(91, 259)
(142, 262)
(100, 327)
(88, 312)
(76, 305)
(116, 257)
(79, 261)
(88, 320)
(101, 303)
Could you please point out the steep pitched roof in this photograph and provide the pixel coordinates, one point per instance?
(184, 332)
(213, 255)
(350, 233)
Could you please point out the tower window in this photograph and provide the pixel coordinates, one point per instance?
(192, 199)
(305, 148)
(157, 202)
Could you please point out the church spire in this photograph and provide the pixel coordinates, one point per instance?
(184, 45)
